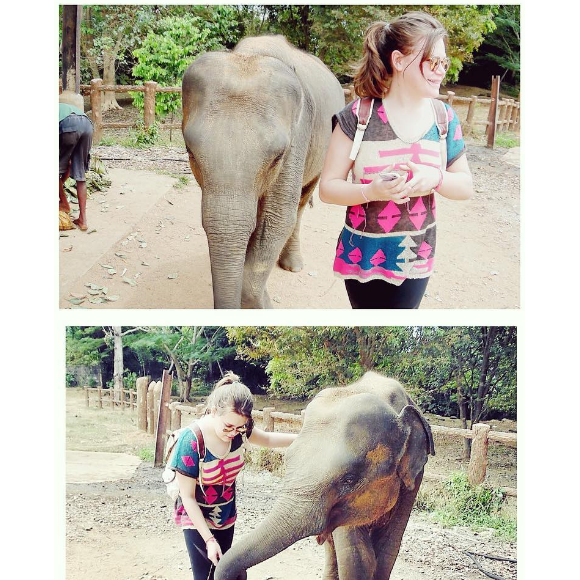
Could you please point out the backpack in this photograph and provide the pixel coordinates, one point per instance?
(363, 113)
(169, 475)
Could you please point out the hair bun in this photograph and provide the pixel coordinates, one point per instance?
(228, 379)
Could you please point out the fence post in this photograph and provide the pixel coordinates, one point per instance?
(100, 391)
(470, 113)
(268, 419)
(513, 115)
(502, 115)
(450, 97)
(163, 418)
(156, 397)
(492, 115)
(96, 110)
(149, 104)
(142, 383)
(508, 115)
(478, 462)
(87, 395)
(131, 399)
(150, 408)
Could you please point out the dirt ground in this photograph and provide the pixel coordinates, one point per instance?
(123, 530)
(147, 249)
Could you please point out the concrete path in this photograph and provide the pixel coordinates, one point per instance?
(96, 466)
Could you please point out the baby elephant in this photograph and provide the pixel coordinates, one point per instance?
(352, 476)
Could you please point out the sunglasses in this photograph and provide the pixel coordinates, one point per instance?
(230, 428)
(435, 61)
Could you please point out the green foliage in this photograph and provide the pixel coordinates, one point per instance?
(70, 380)
(85, 345)
(507, 140)
(167, 51)
(146, 454)
(458, 503)
(130, 380)
(143, 137)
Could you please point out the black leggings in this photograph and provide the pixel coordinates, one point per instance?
(201, 565)
(379, 294)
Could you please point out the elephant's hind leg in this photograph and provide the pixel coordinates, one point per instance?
(290, 257)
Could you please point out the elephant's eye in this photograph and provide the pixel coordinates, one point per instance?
(349, 479)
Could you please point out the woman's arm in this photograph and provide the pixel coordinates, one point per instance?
(187, 492)
(334, 188)
(269, 439)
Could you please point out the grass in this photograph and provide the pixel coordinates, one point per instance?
(507, 140)
(182, 181)
(456, 503)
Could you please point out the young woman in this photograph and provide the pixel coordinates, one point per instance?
(206, 506)
(386, 249)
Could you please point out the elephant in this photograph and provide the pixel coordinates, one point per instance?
(256, 123)
(352, 476)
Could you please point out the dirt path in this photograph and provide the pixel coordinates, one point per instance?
(149, 233)
(123, 530)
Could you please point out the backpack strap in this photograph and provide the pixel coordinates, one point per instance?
(442, 121)
(200, 442)
(363, 113)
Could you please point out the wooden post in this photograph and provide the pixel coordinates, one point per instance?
(96, 110)
(501, 116)
(156, 397)
(131, 400)
(513, 115)
(163, 417)
(492, 115)
(470, 113)
(175, 417)
(450, 97)
(87, 395)
(150, 411)
(142, 383)
(100, 391)
(268, 420)
(478, 462)
(149, 104)
(508, 115)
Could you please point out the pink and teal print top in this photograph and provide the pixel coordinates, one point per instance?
(381, 239)
(216, 489)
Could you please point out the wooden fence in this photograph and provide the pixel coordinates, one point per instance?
(271, 420)
(506, 112)
(156, 414)
(107, 397)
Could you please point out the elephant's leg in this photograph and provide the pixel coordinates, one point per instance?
(355, 555)
(330, 563)
(276, 220)
(388, 541)
(291, 258)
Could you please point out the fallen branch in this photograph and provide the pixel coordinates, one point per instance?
(480, 568)
(500, 558)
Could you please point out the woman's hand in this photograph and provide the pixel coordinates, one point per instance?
(425, 177)
(380, 190)
(214, 552)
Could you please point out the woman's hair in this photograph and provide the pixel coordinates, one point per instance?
(229, 394)
(374, 71)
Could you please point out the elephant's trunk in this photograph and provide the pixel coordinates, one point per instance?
(228, 218)
(282, 528)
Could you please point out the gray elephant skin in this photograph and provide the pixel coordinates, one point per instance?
(352, 476)
(256, 122)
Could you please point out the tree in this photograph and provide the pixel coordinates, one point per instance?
(85, 345)
(109, 32)
(115, 335)
(168, 50)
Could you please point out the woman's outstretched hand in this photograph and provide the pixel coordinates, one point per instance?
(214, 552)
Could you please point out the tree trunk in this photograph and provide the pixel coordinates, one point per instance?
(109, 100)
(117, 363)
(489, 334)
(462, 404)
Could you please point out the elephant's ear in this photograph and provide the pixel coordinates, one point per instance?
(418, 446)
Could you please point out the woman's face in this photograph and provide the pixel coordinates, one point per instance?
(228, 425)
(419, 76)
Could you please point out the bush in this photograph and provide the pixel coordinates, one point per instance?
(142, 137)
(458, 503)
(145, 454)
(261, 458)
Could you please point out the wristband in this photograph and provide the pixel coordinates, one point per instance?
(210, 539)
(436, 188)
(362, 191)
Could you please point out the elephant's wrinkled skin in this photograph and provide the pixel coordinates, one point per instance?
(352, 476)
(256, 124)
